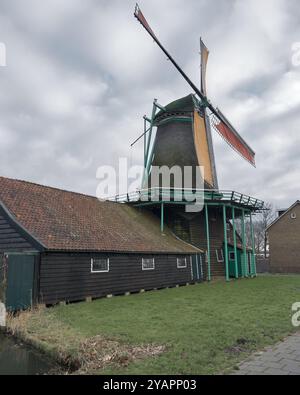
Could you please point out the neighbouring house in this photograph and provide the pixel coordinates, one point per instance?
(284, 241)
(63, 246)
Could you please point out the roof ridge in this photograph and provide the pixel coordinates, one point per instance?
(281, 216)
(48, 187)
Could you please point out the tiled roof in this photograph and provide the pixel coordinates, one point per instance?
(70, 221)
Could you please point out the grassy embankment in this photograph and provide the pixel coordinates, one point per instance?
(201, 329)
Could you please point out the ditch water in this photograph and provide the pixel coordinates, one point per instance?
(18, 359)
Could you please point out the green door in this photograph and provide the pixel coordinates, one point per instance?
(231, 260)
(20, 280)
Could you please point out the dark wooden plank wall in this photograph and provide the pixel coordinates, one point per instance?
(68, 277)
(10, 239)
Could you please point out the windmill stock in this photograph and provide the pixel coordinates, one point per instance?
(219, 121)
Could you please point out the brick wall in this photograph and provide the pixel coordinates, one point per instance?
(284, 238)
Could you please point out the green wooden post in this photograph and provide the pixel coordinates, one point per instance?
(245, 271)
(225, 243)
(147, 154)
(162, 218)
(208, 243)
(145, 143)
(234, 245)
(254, 273)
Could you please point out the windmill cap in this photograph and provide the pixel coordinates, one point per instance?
(185, 104)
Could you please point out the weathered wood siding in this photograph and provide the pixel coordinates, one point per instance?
(68, 277)
(10, 238)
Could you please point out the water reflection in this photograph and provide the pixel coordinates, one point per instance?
(18, 359)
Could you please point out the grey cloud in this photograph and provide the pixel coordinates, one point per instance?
(81, 74)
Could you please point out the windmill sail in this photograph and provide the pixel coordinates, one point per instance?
(203, 149)
(219, 123)
(204, 59)
(140, 17)
(232, 137)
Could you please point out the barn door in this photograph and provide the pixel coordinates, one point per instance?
(20, 282)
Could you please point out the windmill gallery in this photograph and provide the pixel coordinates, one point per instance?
(59, 246)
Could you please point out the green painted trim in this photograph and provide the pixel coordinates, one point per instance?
(235, 245)
(197, 268)
(225, 243)
(244, 265)
(254, 271)
(162, 218)
(145, 143)
(148, 158)
(175, 119)
(208, 243)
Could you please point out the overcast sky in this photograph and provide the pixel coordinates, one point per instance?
(81, 74)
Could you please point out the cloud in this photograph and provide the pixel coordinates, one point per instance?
(81, 74)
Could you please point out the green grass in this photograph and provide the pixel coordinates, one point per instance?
(207, 328)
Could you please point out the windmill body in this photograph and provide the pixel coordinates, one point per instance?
(183, 138)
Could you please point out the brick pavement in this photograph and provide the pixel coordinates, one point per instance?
(281, 359)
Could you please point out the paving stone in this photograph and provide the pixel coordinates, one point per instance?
(282, 359)
(274, 372)
(292, 368)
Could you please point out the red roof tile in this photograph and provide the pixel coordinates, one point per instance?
(63, 220)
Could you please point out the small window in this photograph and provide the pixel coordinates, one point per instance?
(99, 265)
(232, 256)
(148, 264)
(219, 255)
(181, 263)
(293, 215)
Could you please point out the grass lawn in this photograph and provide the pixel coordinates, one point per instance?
(205, 328)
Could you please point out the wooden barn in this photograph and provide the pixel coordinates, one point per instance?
(63, 246)
(284, 240)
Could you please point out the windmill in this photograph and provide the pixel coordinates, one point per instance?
(183, 136)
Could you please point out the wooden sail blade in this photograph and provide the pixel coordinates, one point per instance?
(232, 137)
(202, 148)
(140, 17)
(204, 60)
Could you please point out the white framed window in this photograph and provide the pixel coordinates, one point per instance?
(181, 263)
(148, 264)
(293, 215)
(219, 255)
(232, 256)
(99, 265)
